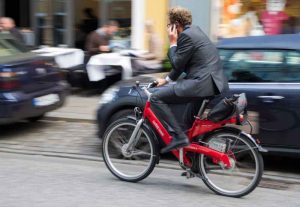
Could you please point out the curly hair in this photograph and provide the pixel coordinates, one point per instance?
(180, 15)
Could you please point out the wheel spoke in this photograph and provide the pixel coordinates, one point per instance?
(127, 164)
(140, 152)
(245, 171)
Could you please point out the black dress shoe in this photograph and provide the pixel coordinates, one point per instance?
(176, 143)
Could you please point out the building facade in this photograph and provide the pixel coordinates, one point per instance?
(67, 22)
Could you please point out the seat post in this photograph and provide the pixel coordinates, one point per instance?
(202, 108)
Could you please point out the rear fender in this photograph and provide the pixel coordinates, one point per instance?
(240, 132)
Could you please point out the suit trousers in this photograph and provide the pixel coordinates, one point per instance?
(166, 95)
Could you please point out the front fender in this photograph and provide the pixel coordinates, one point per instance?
(238, 131)
(149, 128)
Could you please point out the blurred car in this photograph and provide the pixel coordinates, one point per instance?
(266, 68)
(30, 85)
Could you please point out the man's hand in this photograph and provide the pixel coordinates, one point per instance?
(161, 82)
(104, 48)
(173, 35)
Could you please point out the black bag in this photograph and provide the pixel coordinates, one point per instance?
(221, 111)
(227, 107)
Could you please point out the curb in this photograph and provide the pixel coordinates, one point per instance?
(162, 165)
(69, 119)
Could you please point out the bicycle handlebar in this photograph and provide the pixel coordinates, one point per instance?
(152, 85)
(145, 89)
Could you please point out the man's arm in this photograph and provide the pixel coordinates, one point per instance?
(179, 56)
(91, 46)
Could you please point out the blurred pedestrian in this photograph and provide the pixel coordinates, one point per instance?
(154, 43)
(153, 58)
(90, 22)
(8, 25)
(98, 40)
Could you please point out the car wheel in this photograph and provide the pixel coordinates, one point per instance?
(35, 118)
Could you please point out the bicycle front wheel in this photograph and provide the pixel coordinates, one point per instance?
(134, 164)
(246, 165)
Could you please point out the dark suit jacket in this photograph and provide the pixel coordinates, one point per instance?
(94, 40)
(198, 57)
(17, 35)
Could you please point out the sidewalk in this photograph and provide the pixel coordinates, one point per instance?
(77, 108)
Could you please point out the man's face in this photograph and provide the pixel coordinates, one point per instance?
(112, 30)
(5, 24)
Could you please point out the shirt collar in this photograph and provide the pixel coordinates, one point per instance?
(186, 27)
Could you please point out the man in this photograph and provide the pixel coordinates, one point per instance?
(191, 52)
(98, 40)
(8, 25)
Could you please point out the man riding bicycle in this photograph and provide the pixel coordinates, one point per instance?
(191, 52)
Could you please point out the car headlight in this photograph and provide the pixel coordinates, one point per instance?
(108, 95)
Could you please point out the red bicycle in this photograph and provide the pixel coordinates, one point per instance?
(227, 159)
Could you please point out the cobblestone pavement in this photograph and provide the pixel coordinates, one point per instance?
(78, 140)
(68, 138)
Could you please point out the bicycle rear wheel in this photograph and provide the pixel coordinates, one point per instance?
(132, 165)
(246, 170)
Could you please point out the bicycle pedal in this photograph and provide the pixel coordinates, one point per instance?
(188, 174)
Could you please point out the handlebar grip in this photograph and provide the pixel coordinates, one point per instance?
(153, 84)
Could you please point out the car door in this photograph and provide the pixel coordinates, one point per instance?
(270, 79)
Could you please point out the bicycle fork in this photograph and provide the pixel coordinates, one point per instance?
(134, 138)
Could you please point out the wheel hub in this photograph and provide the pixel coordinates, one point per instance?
(125, 151)
(232, 164)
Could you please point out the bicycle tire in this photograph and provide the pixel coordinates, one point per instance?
(205, 163)
(115, 166)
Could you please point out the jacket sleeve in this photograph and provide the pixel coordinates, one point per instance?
(91, 46)
(180, 55)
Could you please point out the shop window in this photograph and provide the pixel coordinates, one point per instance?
(292, 69)
(252, 18)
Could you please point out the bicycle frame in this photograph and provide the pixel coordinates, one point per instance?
(199, 127)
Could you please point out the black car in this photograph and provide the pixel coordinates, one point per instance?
(30, 85)
(266, 68)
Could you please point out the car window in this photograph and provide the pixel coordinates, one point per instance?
(292, 69)
(9, 47)
(261, 65)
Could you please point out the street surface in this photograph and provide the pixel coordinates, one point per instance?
(58, 163)
(28, 180)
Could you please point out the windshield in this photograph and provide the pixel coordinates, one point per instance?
(10, 47)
